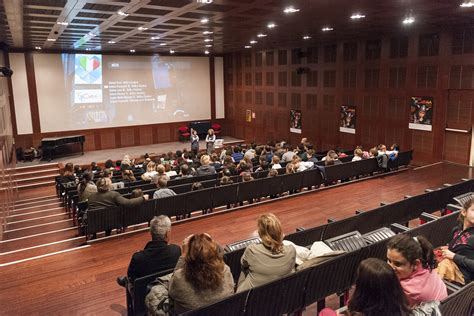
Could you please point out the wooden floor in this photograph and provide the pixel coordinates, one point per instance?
(82, 281)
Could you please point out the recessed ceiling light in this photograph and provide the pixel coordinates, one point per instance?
(253, 42)
(261, 35)
(132, 51)
(122, 13)
(172, 51)
(206, 52)
(290, 10)
(357, 16)
(111, 42)
(467, 4)
(88, 49)
(155, 38)
(162, 44)
(271, 25)
(38, 48)
(207, 40)
(208, 45)
(409, 20)
(306, 37)
(142, 28)
(247, 46)
(62, 23)
(207, 32)
(204, 1)
(91, 34)
(204, 20)
(51, 40)
(327, 29)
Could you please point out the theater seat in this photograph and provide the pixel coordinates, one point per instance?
(348, 242)
(184, 133)
(242, 244)
(217, 129)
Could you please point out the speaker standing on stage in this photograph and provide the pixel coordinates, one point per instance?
(210, 139)
(194, 141)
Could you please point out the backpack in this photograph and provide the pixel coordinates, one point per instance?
(157, 300)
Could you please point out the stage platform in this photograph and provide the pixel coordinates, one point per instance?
(133, 152)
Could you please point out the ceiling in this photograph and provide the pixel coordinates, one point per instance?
(96, 25)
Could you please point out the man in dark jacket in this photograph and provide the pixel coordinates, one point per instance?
(157, 256)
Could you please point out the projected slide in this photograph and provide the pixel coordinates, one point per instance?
(95, 91)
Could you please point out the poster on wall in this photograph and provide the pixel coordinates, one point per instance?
(295, 121)
(348, 119)
(248, 116)
(421, 113)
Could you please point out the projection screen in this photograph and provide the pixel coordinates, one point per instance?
(86, 91)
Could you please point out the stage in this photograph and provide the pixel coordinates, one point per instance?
(133, 152)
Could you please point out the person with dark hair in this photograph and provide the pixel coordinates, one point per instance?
(413, 260)
(268, 261)
(185, 171)
(163, 191)
(94, 167)
(109, 164)
(136, 193)
(67, 174)
(78, 171)
(210, 140)
(237, 156)
(460, 249)
(157, 255)
(201, 277)
(86, 187)
(215, 162)
(288, 153)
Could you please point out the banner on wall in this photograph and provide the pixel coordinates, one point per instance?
(421, 113)
(348, 119)
(295, 121)
(248, 116)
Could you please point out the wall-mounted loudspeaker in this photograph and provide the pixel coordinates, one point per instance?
(6, 72)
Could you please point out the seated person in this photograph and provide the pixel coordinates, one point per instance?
(86, 187)
(157, 255)
(205, 168)
(150, 171)
(310, 156)
(128, 176)
(237, 156)
(377, 292)
(163, 191)
(161, 172)
(413, 260)
(185, 171)
(382, 150)
(67, 174)
(460, 249)
(275, 162)
(358, 155)
(94, 167)
(268, 261)
(201, 277)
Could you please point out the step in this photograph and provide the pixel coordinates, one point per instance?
(34, 178)
(35, 185)
(13, 217)
(41, 250)
(37, 239)
(37, 229)
(46, 172)
(33, 168)
(18, 205)
(36, 221)
(39, 198)
(27, 209)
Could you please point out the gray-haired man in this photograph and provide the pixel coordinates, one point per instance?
(157, 256)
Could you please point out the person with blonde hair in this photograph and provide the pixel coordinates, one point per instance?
(150, 171)
(201, 277)
(205, 168)
(269, 260)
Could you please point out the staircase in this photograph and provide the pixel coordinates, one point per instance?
(37, 225)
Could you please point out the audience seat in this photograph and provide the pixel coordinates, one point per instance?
(184, 133)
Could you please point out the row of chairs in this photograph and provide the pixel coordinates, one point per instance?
(213, 197)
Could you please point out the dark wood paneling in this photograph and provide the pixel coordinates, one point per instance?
(30, 77)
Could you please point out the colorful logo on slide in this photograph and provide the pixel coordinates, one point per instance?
(88, 69)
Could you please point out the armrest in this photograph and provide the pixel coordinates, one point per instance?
(428, 190)
(453, 207)
(428, 217)
(331, 220)
(399, 228)
(407, 196)
(300, 229)
(383, 203)
(357, 212)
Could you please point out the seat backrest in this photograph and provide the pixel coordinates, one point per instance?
(271, 186)
(292, 181)
(139, 214)
(306, 237)
(171, 205)
(104, 219)
(233, 305)
(242, 244)
(232, 259)
(140, 291)
(348, 242)
(224, 194)
(311, 177)
(460, 302)
(198, 200)
(250, 190)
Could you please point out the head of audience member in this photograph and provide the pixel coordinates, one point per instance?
(275, 160)
(358, 152)
(160, 228)
(68, 169)
(272, 173)
(237, 149)
(77, 169)
(128, 175)
(160, 169)
(107, 173)
(226, 180)
(205, 160)
(94, 166)
(214, 158)
(301, 147)
(167, 166)
(395, 147)
(246, 176)
(407, 255)
(103, 185)
(270, 232)
(184, 170)
(377, 291)
(466, 216)
(243, 166)
(203, 262)
(197, 186)
(290, 168)
(136, 193)
(87, 177)
(109, 164)
(118, 163)
(373, 152)
(309, 146)
(310, 153)
(382, 148)
(160, 181)
(179, 154)
(304, 140)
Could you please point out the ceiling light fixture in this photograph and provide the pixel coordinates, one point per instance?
(206, 52)
(132, 51)
(142, 28)
(91, 34)
(253, 42)
(111, 42)
(207, 32)
(155, 38)
(204, 20)
(467, 4)
(409, 20)
(62, 23)
(51, 40)
(207, 40)
(204, 1)
(162, 44)
(357, 16)
(271, 25)
(327, 29)
(122, 13)
(290, 10)
(172, 51)
(88, 49)
(247, 46)
(261, 35)
(306, 37)
(38, 48)
(208, 45)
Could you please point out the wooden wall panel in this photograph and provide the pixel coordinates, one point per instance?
(127, 137)
(146, 135)
(107, 139)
